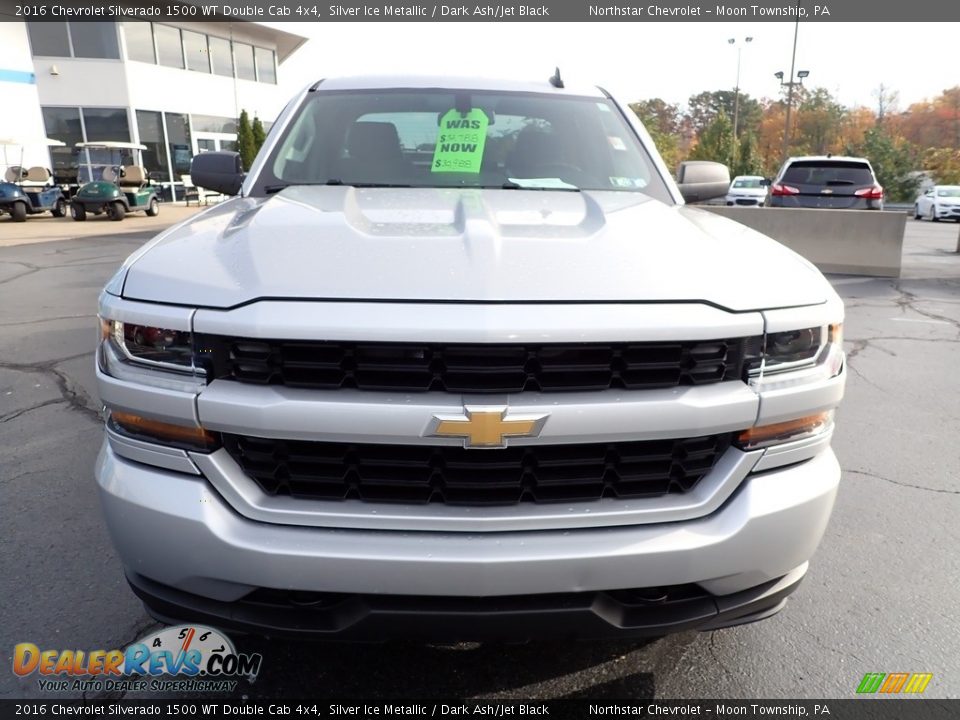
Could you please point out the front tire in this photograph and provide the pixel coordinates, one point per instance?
(78, 212)
(153, 209)
(932, 215)
(116, 211)
(19, 212)
(916, 212)
(60, 208)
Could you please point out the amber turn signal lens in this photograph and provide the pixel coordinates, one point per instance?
(783, 431)
(166, 432)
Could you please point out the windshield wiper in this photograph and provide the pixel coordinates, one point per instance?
(271, 189)
(510, 185)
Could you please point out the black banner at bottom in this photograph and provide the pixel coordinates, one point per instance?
(874, 708)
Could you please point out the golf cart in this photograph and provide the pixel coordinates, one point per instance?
(28, 191)
(118, 182)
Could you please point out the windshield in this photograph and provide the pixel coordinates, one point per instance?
(451, 138)
(826, 172)
(750, 183)
(948, 192)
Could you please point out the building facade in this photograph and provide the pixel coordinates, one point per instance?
(177, 88)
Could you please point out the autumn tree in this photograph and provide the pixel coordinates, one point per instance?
(934, 123)
(854, 125)
(943, 164)
(887, 100)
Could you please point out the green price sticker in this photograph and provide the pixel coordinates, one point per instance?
(460, 142)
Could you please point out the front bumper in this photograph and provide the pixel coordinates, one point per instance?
(372, 618)
(192, 557)
(746, 200)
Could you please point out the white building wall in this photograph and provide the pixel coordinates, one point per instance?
(154, 87)
(20, 117)
(81, 82)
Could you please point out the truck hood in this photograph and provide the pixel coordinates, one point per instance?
(425, 244)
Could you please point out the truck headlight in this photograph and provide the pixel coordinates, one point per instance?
(797, 356)
(161, 357)
(761, 436)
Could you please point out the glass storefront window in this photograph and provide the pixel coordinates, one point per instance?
(63, 123)
(95, 40)
(181, 147)
(243, 55)
(139, 37)
(266, 70)
(106, 124)
(169, 48)
(195, 45)
(213, 124)
(49, 38)
(150, 126)
(220, 56)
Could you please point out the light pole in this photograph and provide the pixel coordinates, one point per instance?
(736, 91)
(801, 74)
(790, 83)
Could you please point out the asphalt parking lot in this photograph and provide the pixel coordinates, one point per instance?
(881, 595)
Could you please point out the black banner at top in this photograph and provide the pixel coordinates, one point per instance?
(449, 709)
(485, 10)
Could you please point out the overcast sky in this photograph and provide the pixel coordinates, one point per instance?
(642, 60)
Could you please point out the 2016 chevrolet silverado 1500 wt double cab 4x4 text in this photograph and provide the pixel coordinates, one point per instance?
(458, 363)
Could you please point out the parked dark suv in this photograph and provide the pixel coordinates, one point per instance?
(832, 182)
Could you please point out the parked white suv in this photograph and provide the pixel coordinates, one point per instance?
(457, 363)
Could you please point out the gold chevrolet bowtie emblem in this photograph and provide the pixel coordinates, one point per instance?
(487, 427)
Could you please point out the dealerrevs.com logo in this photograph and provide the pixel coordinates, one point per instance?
(186, 658)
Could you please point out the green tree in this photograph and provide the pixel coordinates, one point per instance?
(749, 160)
(259, 135)
(659, 114)
(662, 120)
(716, 141)
(894, 161)
(705, 106)
(245, 142)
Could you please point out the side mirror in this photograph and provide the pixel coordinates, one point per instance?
(702, 180)
(766, 182)
(219, 171)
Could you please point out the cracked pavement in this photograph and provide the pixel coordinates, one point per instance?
(881, 594)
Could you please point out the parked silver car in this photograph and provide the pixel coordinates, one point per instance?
(941, 202)
(457, 362)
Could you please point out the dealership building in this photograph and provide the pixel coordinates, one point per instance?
(176, 88)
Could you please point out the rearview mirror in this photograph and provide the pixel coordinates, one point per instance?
(220, 171)
(702, 180)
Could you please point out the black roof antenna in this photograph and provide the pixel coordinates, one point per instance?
(556, 80)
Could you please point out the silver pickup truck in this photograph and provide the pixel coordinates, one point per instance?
(458, 362)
